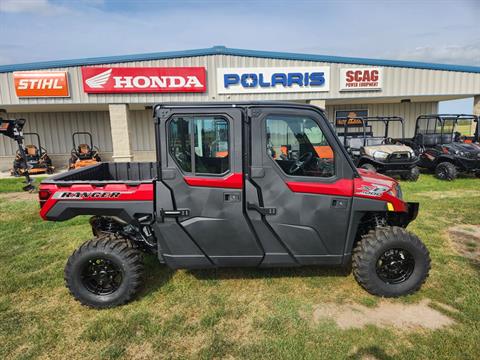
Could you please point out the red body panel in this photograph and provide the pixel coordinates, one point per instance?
(370, 185)
(342, 187)
(231, 181)
(86, 192)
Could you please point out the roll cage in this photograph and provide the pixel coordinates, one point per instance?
(366, 132)
(435, 129)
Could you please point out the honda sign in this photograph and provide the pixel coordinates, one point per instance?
(143, 79)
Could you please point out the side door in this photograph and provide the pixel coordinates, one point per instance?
(202, 169)
(304, 181)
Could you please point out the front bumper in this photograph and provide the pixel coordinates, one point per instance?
(412, 210)
(404, 218)
(468, 164)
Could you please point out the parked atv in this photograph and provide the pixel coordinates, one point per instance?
(378, 152)
(37, 159)
(83, 154)
(443, 149)
(276, 198)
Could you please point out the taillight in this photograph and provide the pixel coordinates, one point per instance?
(43, 195)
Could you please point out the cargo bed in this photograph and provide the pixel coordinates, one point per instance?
(108, 172)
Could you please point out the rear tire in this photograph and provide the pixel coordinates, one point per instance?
(390, 262)
(446, 171)
(413, 175)
(369, 167)
(105, 272)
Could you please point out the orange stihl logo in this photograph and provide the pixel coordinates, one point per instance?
(41, 84)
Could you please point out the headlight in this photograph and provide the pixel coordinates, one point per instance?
(399, 192)
(380, 155)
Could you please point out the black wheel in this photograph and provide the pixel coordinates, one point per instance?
(369, 167)
(104, 272)
(390, 262)
(446, 171)
(413, 175)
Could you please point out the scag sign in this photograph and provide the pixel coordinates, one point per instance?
(361, 79)
(272, 80)
(143, 79)
(41, 84)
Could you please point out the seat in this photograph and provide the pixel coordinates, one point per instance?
(84, 149)
(31, 150)
(355, 143)
(447, 138)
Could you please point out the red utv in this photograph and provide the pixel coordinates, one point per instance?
(236, 184)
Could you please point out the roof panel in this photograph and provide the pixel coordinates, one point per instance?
(222, 50)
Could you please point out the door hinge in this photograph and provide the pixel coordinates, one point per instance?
(262, 210)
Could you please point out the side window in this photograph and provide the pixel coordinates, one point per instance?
(179, 142)
(299, 146)
(211, 145)
(200, 145)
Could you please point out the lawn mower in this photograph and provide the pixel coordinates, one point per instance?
(12, 128)
(378, 152)
(37, 159)
(445, 144)
(83, 154)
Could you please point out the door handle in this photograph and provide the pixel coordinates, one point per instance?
(175, 213)
(339, 203)
(262, 210)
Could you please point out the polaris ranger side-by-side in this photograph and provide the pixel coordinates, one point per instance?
(448, 144)
(237, 184)
(379, 152)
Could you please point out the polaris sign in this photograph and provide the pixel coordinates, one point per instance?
(273, 80)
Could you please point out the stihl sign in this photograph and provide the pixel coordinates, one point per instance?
(41, 84)
(143, 79)
(361, 79)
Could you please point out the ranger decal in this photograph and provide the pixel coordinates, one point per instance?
(79, 195)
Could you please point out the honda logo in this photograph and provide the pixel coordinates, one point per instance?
(137, 80)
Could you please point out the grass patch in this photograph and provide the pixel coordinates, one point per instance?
(230, 313)
(16, 184)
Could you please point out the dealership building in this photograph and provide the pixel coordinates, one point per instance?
(112, 97)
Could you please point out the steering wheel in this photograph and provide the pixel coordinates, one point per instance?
(301, 162)
(387, 140)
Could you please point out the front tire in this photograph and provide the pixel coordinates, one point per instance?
(413, 175)
(105, 272)
(390, 262)
(446, 171)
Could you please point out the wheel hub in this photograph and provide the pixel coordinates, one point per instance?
(395, 266)
(101, 276)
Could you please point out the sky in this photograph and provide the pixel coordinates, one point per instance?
(424, 30)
